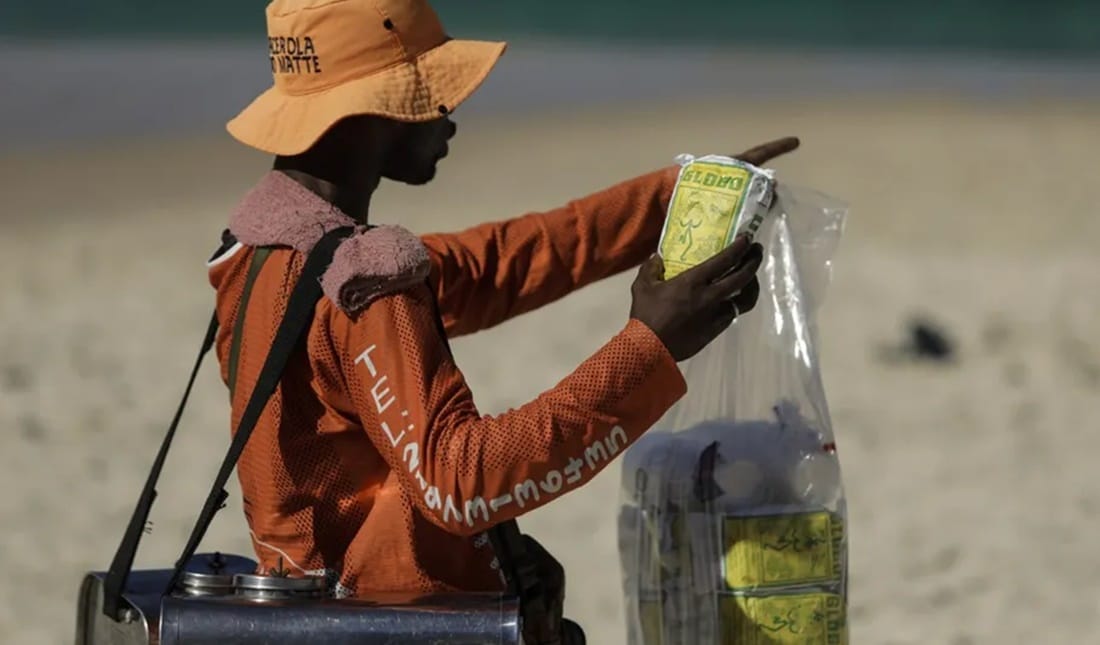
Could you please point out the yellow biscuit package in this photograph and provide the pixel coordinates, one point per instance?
(715, 199)
(780, 550)
(800, 618)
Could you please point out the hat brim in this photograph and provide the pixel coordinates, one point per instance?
(444, 76)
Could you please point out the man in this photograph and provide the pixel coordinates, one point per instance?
(371, 463)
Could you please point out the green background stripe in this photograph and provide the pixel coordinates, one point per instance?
(1056, 26)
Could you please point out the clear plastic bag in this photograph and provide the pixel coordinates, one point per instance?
(732, 525)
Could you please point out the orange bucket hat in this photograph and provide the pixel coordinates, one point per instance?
(337, 58)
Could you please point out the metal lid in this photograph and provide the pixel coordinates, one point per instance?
(192, 579)
(219, 564)
(304, 584)
(212, 573)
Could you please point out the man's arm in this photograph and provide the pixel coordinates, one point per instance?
(490, 273)
(493, 272)
(466, 471)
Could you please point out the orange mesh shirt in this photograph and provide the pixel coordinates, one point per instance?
(371, 464)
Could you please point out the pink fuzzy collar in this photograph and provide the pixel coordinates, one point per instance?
(370, 264)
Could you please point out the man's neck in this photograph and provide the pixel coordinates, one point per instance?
(352, 201)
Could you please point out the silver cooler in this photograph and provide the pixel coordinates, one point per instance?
(211, 612)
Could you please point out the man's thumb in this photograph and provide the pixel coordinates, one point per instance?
(653, 269)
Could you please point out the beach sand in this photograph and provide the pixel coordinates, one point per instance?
(971, 488)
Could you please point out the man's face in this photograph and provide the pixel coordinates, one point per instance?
(416, 150)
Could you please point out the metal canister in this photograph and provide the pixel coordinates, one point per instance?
(260, 588)
(206, 584)
(211, 574)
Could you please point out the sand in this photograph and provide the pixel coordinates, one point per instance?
(971, 485)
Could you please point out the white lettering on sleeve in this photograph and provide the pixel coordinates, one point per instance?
(612, 444)
(389, 435)
(450, 509)
(525, 490)
(365, 358)
(431, 498)
(379, 393)
(573, 471)
(594, 454)
(523, 494)
(475, 506)
(552, 483)
(412, 456)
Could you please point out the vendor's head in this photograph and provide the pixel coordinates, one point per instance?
(359, 78)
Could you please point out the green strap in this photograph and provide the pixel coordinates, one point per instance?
(258, 258)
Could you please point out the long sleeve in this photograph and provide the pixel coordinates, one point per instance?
(468, 472)
(492, 272)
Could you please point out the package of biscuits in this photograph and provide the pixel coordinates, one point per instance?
(716, 198)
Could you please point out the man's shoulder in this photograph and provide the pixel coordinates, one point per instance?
(371, 263)
(374, 263)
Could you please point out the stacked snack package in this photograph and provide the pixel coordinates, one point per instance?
(732, 527)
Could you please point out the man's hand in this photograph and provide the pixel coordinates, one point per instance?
(765, 152)
(693, 308)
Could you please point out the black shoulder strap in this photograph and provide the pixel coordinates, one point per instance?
(295, 321)
(119, 572)
(299, 314)
(115, 583)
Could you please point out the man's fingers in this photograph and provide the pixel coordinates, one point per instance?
(725, 313)
(730, 309)
(720, 264)
(765, 152)
(737, 280)
(746, 300)
(720, 324)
